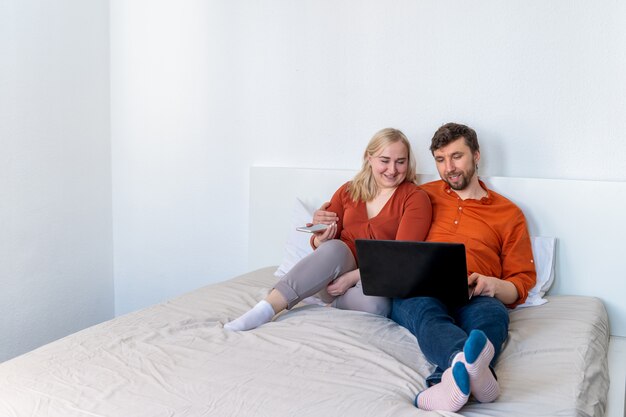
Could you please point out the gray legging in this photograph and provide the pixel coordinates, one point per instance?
(314, 272)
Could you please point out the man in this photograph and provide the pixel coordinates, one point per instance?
(464, 343)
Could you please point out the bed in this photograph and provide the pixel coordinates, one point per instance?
(175, 358)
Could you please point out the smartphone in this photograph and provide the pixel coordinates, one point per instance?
(312, 229)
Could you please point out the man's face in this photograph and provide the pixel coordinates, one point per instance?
(456, 164)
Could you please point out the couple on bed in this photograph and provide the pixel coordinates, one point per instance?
(383, 202)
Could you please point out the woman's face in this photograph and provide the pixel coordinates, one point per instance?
(389, 165)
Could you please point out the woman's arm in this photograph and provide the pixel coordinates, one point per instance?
(343, 283)
(332, 214)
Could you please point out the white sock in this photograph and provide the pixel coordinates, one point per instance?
(256, 316)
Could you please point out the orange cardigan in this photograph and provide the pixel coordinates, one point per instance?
(406, 216)
(494, 232)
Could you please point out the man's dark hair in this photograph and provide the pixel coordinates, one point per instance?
(452, 131)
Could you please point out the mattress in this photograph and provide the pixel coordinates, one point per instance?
(175, 359)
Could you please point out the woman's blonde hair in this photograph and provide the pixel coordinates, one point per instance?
(363, 186)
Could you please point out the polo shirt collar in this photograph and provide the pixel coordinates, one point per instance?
(485, 200)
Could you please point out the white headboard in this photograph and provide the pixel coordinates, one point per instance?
(585, 216)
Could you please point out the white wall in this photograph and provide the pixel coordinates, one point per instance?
(203, 90)
(179, 165)
(55, 172)
(542, 82)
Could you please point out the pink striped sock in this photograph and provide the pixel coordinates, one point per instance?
(450, 394)
(477, 354)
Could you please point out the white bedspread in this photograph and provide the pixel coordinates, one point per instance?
(175, 359)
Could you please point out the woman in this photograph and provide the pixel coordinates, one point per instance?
(381, 202)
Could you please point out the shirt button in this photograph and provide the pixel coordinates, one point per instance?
(456, 222)
(460, 208)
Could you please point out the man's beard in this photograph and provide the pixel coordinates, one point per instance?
(465, 178)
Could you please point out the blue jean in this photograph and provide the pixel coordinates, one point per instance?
(441, 333)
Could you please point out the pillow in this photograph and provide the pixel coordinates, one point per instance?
(543, 252)
(298, 246)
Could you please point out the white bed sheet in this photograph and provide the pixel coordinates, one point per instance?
(175, 359)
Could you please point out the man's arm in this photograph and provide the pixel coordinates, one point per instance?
(504, 291)
(516, 276)
(323, 216)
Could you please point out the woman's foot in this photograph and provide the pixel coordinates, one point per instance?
(258, 315)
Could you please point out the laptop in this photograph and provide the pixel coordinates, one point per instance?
(403, 269)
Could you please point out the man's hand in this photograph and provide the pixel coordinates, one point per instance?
(486, 286)
(325, 217)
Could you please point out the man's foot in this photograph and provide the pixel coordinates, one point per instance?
(450, 394)
(477, 354)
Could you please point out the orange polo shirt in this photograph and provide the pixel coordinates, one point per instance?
(494, 232)
(405, 216)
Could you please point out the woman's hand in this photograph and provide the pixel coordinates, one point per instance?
(343, 283)
(323, 236)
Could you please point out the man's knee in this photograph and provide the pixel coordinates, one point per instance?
(492, 309)
(410, 311)
(419, 306)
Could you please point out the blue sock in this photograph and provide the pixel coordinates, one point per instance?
(474, 345)
(461, 377)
